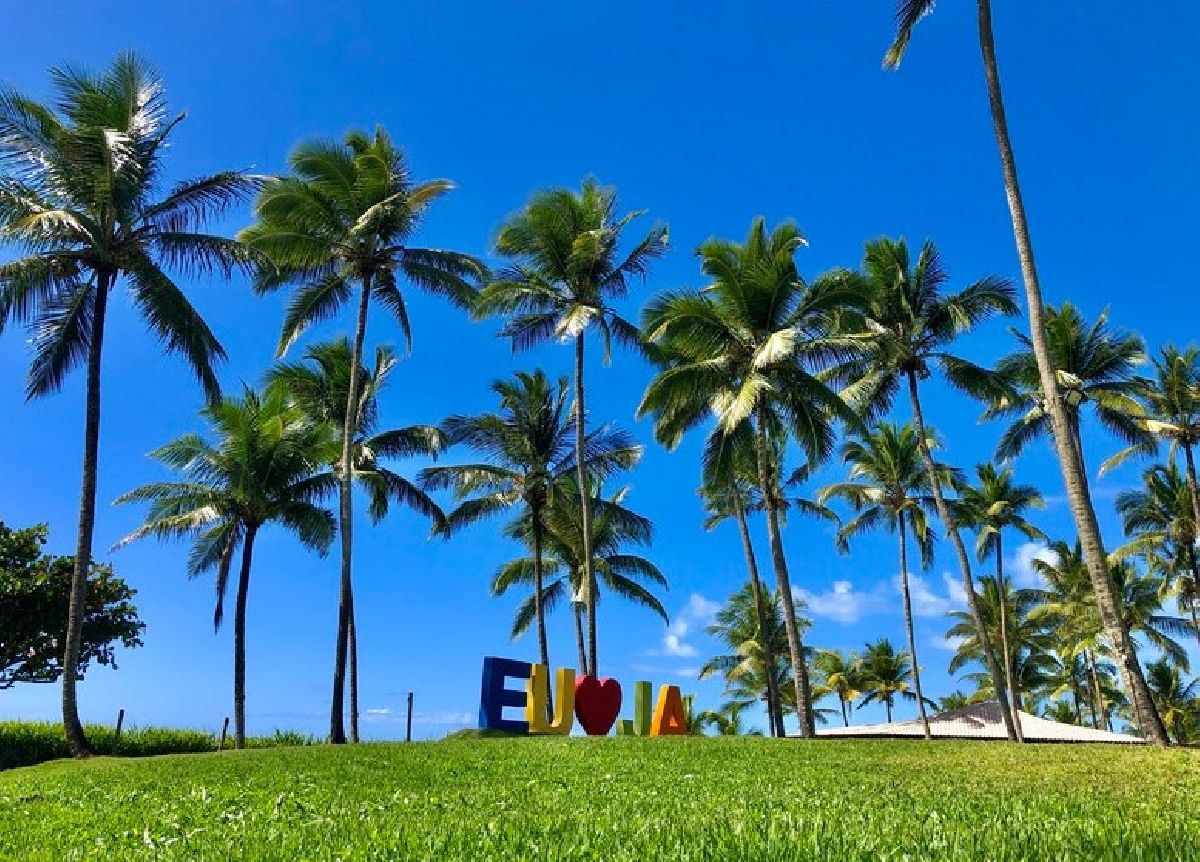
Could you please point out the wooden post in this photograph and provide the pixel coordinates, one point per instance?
(224, 732)
(117, 736)
(408, 730)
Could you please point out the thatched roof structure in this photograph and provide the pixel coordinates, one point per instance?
(980, 721)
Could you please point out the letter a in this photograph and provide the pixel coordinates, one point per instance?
(538, 692)
(668, 713)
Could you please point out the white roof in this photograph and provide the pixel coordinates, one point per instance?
(981, 721)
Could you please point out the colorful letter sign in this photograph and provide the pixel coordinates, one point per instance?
(668, 714)
(493, 696)
(597, 702)
(538, 690)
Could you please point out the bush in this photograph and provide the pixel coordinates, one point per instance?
(25, 743)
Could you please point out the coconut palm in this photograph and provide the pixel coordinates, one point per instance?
(341, 222)
(911, 323)
(320, 385)
(264, 466)
(745, 348)
(728, 720)
(1096, 366)
(1070, 456)
(616, 570)
(1061, 711)
(841, 674)
(1178, 701)
(889, 487)
(565, 270)
(886, 673)
(995, 504)
(80, 201)
(530, 460)
(1160, 519)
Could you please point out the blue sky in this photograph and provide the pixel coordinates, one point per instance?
(704, 116)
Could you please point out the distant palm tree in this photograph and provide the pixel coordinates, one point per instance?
(889, 487)
(565, 271)
(530, 461)
(728, 720)
(995, 504)
(746, 348)
(343, 220)
(886, 673)
(79, 200)
(616, 570)
(1178, 701)
(841, 674)
(1060, 711)
(264, 467)
(1070, 454)
(910, 324)
(320, 385)
(957, 700)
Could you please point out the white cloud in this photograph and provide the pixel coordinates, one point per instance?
(1020, 565)
(942, 642)
(925, 602)
(672, 645)
(842, 603)
(697, 613)
(437, 718)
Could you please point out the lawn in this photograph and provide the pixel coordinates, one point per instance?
(613, 799)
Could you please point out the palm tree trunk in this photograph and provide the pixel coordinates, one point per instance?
(577, 614)
(337, 733)
(795, 645)
(1013, 700)
(353, 647)
(887, 704)
(1189, 457)
(1099, 714)
(1068, 455)
(76, 739)
(845, 714)
(539, 612)
(964, 562)
(774, 707)
(585, 503)
(908, 625)
(239, 641)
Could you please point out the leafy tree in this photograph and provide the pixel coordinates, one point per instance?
(728, 720)
(1178, 701)
(745, 348)
(1070, 455)
(35, 591)
(530, 461)
(264, 466)
(841, 674)
(909, 324)
(886, 673)
(995, 504)
(565, 271)
(320, 386)
(1061, 711)
(957, 700)
(342, 222)
(80, 200)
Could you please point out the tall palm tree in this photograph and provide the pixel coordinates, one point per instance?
(342, 221)
(530, 451)
(886, 674)
(995, 504)
(908, 13)
(1095, 365)
(566, 269)
(1178, 701)
(841, 674)
(320, 386)
(1170, 403)
(889, 487)
(80, 200)
(264, 466)
(911, 324)
(615, 568)
(745, 348)
(1160, 519)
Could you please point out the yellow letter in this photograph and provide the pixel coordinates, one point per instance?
(668, 713)
(535, 705)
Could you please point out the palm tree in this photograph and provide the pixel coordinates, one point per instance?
(839, 673)
(908, 13)
(1160, 519)
(616, 570)
(997, 503)
(80, 200)
(1095, 365)
(1061, 711)
(320, 386)
(728, 720)
(1178, 702)
(529, 447)
(1171, 406)
(342, 220)
(264, 467)
(886, 674)
(889, 487)
(745, 349)
(566, 270)
(911, 323)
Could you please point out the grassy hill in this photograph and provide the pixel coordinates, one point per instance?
(613, 799)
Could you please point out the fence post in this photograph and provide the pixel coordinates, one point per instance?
(224, 731)
(120, 724)
(408, 730)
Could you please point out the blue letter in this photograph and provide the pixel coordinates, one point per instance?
(493, 696)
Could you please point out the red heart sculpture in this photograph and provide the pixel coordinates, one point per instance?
(597, 702)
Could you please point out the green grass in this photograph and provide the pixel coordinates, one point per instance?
(613, 799)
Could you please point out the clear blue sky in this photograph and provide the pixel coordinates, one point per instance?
(705, 117)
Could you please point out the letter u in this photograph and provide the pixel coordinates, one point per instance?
(538, 688)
